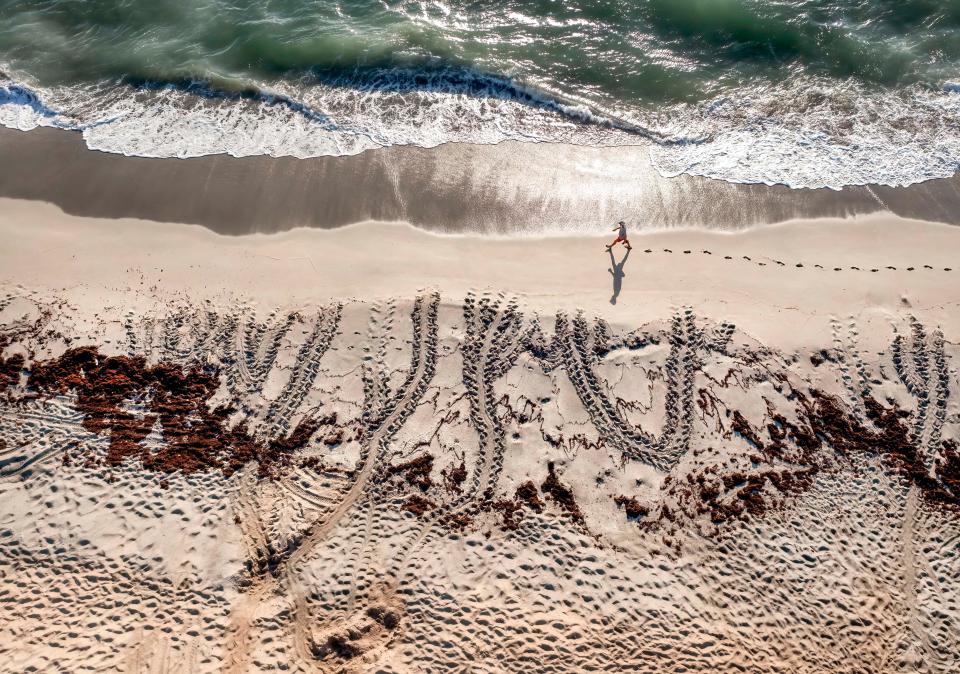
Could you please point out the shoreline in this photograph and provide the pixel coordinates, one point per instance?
(389, 399)
(808, 269)
(506, 189)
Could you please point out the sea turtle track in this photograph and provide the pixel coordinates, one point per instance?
(386, 412)
(149, 328)
(494, 338)
(305, 370)
(685, 341)
(6, 299)
(172, 337)
(491, 344)
(131, 331)
(920, 362)
(378, 429)
(203, 330)
(377, 398)
(855, 379)
(487, 355)
(493, 341)
(259, 345)
(267, 567)
(376, 377)
(720, 338)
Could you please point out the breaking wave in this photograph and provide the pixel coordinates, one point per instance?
(804, 133)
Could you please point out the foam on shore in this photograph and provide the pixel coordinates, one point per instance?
(511, 189)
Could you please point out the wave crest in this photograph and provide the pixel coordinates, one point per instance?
(802, 133)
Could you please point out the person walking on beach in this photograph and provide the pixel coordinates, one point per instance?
(621, 230)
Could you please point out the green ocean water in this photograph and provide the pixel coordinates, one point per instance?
(375, 72)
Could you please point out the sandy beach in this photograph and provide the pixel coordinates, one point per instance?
(318, 353)
(374, 448)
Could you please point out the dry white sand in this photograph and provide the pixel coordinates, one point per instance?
(483, 420)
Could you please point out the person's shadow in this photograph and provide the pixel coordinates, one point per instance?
(616, 270)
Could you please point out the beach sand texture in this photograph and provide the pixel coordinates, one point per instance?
(728, 453)
(514, 189)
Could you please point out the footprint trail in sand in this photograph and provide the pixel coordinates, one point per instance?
(442, 483)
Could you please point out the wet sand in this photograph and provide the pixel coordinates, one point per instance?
(511, 188)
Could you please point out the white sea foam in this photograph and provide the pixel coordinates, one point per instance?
(802, 134)
(320, 120)
(22, 108)
(807, 135)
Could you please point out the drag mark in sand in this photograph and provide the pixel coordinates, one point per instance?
(685, 339)
(379, 427)
(492, 343)
(475, 492)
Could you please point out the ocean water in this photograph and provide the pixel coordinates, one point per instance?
(807, 93)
